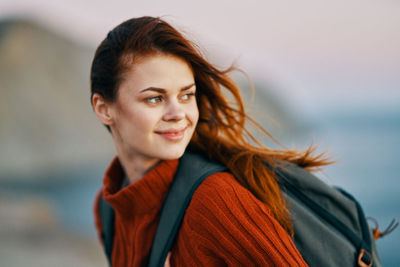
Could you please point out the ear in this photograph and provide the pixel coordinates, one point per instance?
(102, 109)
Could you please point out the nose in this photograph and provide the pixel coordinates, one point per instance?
(174, 111)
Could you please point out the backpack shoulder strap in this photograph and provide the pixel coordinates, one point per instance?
(192, 170)
(107, 217)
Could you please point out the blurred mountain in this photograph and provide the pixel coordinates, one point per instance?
(46, 121)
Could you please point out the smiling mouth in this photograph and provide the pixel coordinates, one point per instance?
(172, 134)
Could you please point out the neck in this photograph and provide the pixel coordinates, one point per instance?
(136, 167)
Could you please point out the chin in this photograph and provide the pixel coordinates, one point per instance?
(176, 154)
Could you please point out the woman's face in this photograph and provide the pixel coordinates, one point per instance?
(155, 113)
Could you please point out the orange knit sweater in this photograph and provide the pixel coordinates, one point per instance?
(224, 225)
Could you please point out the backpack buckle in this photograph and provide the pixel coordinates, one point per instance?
(364, 258)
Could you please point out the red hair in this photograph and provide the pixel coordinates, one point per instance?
(221, 134)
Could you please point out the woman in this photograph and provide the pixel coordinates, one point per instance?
(157, 95)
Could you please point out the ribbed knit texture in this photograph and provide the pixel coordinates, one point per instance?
(224, 225)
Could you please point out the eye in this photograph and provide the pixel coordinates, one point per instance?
(153, 99)
(187, 96)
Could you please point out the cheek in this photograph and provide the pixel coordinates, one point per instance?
(139, 121)
(145, 121)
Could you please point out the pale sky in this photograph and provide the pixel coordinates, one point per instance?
(317, 54)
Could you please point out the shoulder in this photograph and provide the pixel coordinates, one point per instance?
(222, 188)
(221, 199)
(225, 220)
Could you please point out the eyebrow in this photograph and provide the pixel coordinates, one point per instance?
(163, 91)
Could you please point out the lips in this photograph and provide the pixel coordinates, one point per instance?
(172, 134)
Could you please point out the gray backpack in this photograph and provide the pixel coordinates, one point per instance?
(329, 225)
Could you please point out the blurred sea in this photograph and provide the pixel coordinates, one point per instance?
(367, 148)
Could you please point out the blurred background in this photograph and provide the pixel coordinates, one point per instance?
(325, 73)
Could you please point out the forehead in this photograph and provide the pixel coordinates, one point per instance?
(160, 70)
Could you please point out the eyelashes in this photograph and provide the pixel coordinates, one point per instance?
(160, 98)
(188, 96)
(153, 99)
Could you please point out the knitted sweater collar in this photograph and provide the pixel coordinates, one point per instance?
(144, 196)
